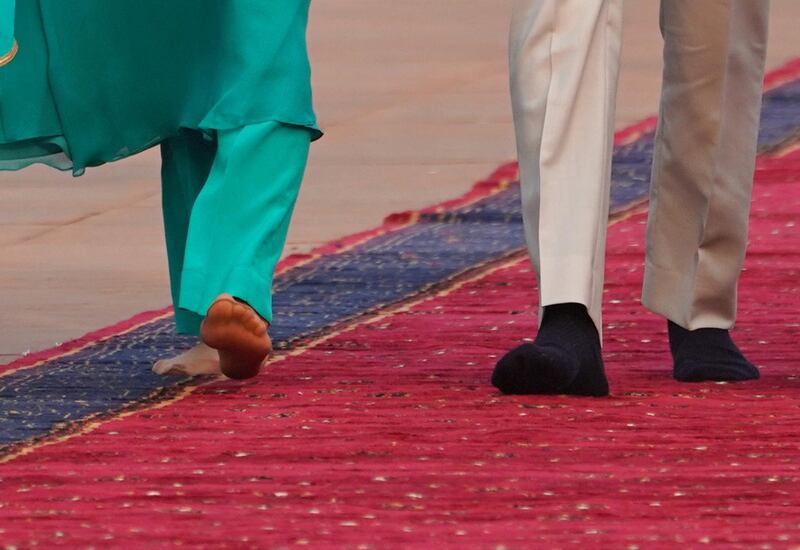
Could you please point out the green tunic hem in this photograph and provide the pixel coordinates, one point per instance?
(97, 81)
(53, 151)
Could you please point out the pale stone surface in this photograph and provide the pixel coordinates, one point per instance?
(413, 97)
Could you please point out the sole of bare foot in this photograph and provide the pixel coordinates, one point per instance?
(200, 360)
(238, 334)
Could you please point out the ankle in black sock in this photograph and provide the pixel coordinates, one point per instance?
(565, 358)
(707, 354)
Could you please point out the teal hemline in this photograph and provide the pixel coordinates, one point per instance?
(53, 151)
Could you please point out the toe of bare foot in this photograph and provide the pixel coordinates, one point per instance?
(199, 360)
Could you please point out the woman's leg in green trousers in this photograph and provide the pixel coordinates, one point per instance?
(186, 165)
(227, 207)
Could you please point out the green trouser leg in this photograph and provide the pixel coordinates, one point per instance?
(232, 224)
(186, 162)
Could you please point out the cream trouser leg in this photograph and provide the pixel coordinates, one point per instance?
(704, 158)
(564, 60)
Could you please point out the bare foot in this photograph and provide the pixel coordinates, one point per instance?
(201, 359)
(240, 336)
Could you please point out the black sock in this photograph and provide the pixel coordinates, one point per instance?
(565, 358)
(707, 354)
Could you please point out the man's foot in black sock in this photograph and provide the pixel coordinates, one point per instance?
(707, 354)
(565, 358)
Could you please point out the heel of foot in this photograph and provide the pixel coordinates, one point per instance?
(240, 336)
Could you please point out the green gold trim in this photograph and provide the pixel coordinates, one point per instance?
(7, 58)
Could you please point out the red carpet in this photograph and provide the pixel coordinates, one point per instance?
(387, 434)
